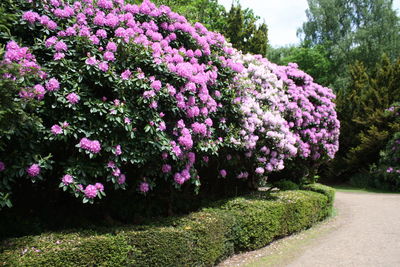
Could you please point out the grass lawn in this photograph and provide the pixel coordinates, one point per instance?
(353, 189)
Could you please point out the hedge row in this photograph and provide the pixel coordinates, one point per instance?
(202, 238)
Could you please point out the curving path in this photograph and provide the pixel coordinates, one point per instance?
(365, 232)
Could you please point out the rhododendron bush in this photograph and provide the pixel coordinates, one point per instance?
(128, 95)
(288, 120)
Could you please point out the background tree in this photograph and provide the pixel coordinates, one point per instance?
(313, 60)
(367, 119)
(240, 26)
(244, 33)
(209, 12)
(352, 30)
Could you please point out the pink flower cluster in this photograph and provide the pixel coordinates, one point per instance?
(265, 134)
(93, 146)
(28, 66)
(33, 170)
(312, 116)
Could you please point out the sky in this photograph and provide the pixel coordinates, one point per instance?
(282, 17)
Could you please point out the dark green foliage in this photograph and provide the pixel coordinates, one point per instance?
(312, 60)
(386, 174)
(242, 31)
(200, 239)
(367, 123)
(286, 185)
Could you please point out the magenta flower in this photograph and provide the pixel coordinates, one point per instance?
(33, 170)
(51, 25)
(209, 122)
(52, 85)
(121, 179)
(166, 168)
(73, 98)
(144, 187)
(178, 178)
(126, 75)
(91, 61)
(94, 39)
(67, 179)
(162, 126)
(39, 91)
(107, 4)
(30, 16)
(60, 46)
(2, 166)
(153, 105)
(101, 33)
(56, 129)
(177, 150)
(223, 173)
(109, 56)
(51, 41)
(156, 85)
(103, 66)
(89, 145)
(116, 172)
(118, 150)
(90, 191)
(111, 46)
(58, 56)
(199, 128)
(99, 187)
(260, 170)
(111, 164)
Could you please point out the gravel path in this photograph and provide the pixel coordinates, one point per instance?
(365, 232)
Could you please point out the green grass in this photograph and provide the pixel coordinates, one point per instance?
(353, 189)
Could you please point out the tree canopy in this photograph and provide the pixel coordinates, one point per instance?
(352, 30)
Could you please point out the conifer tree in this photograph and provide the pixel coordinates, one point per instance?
(244, 33)
(364, 110)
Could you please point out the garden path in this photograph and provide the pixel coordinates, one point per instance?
(365, 232)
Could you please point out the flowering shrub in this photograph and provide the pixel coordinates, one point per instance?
(386, 173)
(390, 163)
(311, 117)
(264, 136)
(122, 94)
(126, 94)
(287, 118)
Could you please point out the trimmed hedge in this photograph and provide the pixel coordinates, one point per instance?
(202, 238)
(323, 189)
(84, 248)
